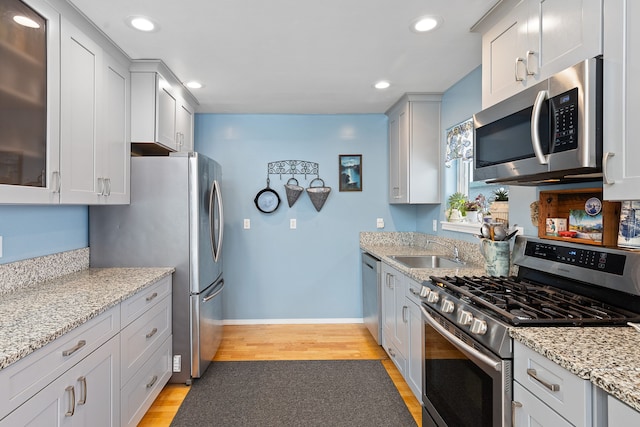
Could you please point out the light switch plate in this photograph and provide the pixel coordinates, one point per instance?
(435, 225)
(247, 224)
(380, 222)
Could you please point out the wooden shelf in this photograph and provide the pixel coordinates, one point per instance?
(557, 204)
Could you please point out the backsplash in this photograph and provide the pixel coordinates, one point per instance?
(22, 274)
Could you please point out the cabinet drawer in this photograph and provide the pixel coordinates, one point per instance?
(413, 291)
(533, 412)
(143, 337)
(572, 397)
(395, 355)
(133, 307)
(138, 395)
(26, 377)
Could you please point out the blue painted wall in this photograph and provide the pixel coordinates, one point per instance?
(32, 231)
(312, 272)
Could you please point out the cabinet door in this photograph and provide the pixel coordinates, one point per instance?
(398, 155)
(81, 64)
(569, 31)
(415, 359)
(529, 411)
(114, 148)
(184, 127)
(620, 414)
(166, 115)
(388, 306)
(621, 101)
(87, 394)
(504, 61)
(29, 164)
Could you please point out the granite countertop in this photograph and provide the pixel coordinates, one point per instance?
(606, 356)
(33, 317)
(383, 245)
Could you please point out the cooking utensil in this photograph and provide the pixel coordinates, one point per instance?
(510, 235)
(499, 233)
(485, 230)
(267, 200)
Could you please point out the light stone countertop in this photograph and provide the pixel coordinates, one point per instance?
(606, 356)
(33, 317)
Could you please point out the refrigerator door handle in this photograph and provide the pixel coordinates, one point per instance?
(214, 294)
(216, 246)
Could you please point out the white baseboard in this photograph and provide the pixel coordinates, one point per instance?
(288, 321)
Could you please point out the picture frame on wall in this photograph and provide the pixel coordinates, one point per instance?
(350, 171)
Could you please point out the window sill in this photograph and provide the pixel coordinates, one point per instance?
(461, 227)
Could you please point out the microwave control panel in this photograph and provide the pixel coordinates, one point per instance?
(564, 109)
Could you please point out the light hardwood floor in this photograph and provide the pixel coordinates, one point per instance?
(288, 342)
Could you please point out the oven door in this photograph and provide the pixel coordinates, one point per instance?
(463, 384)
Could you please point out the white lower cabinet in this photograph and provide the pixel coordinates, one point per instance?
(543, 390)
(106, 372)
(87, 394)
(402, 333)
(415, 356)
(620, 414)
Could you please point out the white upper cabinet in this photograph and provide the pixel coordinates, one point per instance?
(621, 102)
(534, 40)
(94, 147)
(30, 137)
(161, 109)
(414, 149)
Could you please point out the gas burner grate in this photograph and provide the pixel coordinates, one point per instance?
(532, 304)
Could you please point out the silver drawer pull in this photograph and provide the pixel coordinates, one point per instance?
(72, 401)
(152, 382)
(533, 374)
(83, 396)
(152, 296)
(152, 333)
(75, 348)
(514, 405)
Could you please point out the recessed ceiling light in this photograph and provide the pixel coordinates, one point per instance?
(142, 23)
(193, 85)
(382, 84)
(426, 23)
(26, 22)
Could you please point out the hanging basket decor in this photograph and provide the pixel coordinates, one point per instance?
(318, 195)
(293, 191)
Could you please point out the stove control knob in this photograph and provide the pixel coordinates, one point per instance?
(447, 306)
(424, 292)
(478, 327)
(433, 297)
(465, 318)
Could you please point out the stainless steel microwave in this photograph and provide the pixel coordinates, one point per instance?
(548, 133)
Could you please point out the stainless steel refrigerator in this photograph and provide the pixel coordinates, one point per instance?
(175, 219)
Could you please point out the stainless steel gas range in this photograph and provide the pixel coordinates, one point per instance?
(468, 352)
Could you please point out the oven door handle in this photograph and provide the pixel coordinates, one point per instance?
(489, 361)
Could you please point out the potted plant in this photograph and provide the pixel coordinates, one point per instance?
(500, 206)
(473, 209)
(457, 209)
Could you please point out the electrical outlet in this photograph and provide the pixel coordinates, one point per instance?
(435, 225)
(293, 223)
(177, 363)
(247, 223)
(380, 223)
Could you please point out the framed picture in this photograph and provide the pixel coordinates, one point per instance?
(350, 170)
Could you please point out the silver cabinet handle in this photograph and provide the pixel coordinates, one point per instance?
(528, 70)
(107, 186)
(151, 297)
(72, 401)
(152, 333)
(533, 374)
(605, 175)
(75, 348)
(404, 313)
(55, 178)
(152, 382)
(517, 77)
(100, 187)
(83, 395)
(514, 405)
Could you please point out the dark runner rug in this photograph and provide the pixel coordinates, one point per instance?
(294, 393)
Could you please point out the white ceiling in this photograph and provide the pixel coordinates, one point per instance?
(299, 56)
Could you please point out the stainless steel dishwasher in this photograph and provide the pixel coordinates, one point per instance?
(371, 295)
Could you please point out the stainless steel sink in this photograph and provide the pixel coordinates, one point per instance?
(427, 261)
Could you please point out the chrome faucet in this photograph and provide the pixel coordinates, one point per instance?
(456, 252)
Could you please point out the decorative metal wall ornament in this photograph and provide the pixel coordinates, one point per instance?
(267, 200)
